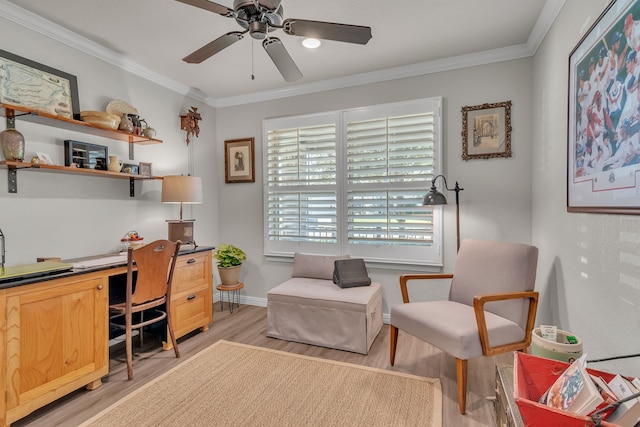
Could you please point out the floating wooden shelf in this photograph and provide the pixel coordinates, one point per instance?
(68, 169)
(13, 167)
(13, 112)
(28, 115)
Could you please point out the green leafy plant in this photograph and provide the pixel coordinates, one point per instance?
(229, 255)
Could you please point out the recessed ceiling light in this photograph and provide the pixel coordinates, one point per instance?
(311, 43)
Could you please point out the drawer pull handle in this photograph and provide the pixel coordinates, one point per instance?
(190, 297)
(191, 261)
(99, 287)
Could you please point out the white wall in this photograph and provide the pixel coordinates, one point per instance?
(589, 266)
(495, 203)
(64, 215)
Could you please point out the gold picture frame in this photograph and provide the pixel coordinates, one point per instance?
(486, 131)
(239, 161)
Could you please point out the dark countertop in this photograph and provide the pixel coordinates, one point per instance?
(78, 271)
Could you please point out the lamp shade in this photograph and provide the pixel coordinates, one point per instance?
(434, 197)
(181, 189)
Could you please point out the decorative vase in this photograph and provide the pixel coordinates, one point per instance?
(12, 143)
(115, 164)
(126, 124)
(229, 276)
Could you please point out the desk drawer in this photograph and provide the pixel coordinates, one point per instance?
(193, 272)
(191, 311)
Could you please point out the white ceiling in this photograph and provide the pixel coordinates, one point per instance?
(409, 37)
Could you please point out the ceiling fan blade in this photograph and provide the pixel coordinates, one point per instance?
(327, 30)
(282, 59)
(210, 6)
(208, 50)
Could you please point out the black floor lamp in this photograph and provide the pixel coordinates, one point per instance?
(434, 197)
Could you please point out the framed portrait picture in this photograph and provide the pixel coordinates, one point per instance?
(603, 151)
(51, 91)
(486, 131)
(144, 169)
(239, 161)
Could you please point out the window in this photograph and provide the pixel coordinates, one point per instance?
(353, 182)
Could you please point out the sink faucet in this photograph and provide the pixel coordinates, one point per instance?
(2, 251)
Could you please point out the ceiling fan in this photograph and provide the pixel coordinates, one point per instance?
(260, 17)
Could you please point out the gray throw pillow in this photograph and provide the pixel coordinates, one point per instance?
(314, 266)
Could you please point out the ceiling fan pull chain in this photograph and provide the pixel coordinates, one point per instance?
(252, 76)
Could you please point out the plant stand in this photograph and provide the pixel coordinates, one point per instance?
(233, 295)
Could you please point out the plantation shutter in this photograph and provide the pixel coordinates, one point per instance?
(353, 182)
(302, 184)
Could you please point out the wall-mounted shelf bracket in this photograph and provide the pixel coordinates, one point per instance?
(11, 119)
(13, 180)
(131, 153)
(132, 187)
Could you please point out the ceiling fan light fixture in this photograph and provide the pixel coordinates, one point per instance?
(311, 43)
(258, 30)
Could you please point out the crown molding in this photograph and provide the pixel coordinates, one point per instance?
(413, 70)
(42, 26)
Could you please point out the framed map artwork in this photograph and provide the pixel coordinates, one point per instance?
(26, 83)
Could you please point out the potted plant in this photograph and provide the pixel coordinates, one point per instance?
(229, 259)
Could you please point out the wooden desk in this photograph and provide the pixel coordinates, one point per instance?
(54, 336)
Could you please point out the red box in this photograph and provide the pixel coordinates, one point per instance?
(532, 376)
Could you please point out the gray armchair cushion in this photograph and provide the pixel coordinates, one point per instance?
(451, 326)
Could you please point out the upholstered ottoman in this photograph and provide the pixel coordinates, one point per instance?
(313, 310)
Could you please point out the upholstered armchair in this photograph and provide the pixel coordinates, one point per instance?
(491, 307)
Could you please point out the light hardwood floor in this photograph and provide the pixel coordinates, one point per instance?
(248, 325)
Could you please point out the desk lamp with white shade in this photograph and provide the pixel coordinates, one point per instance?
(183, 190)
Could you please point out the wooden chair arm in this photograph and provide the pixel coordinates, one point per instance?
(478, 306)
(406, 277)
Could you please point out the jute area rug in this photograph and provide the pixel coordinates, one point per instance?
(231, 384)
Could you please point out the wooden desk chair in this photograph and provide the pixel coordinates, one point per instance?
(155, 264)
(491, 307)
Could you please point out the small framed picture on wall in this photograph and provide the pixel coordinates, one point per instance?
(239, 162)
(486, 131)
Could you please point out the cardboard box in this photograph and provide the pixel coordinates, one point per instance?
(532, 376)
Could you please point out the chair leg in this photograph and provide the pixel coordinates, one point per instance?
(461, 372)
(141, 330)
(128, 344)
(172, 336)
(393, 341)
